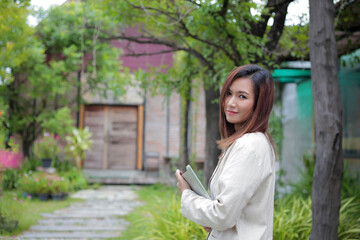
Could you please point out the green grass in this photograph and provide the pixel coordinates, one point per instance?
(160, 217)
(27, 211)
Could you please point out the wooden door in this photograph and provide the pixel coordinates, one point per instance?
(94, 120)
(114, 130)
(122, 138)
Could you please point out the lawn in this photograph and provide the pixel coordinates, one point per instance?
(26, 210)
(160, 218)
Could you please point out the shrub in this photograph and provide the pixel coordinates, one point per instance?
(31, 164)
(349, 226)
(9, 213)
(160, 217)
(10, 179)
(76, 179)
(47, 146)
(293, 218)
(43, 183)
(350, 184)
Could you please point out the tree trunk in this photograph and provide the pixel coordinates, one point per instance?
(184, 150)
(326, 199)
(212, 131)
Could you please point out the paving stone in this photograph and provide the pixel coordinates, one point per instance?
(83, 222)
(70, 235)
(61, 228)
(96, 218)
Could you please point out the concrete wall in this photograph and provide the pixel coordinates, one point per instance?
(156, 126)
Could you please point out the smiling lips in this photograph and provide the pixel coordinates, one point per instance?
(231, 112)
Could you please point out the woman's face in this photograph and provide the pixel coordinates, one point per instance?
(239, 101)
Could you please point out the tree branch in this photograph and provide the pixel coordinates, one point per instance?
(193, 2)
(224, 8)
(150, 54)
(195, 37)
(142, 39)
(168, 14)
(277, 28)
(273, 6)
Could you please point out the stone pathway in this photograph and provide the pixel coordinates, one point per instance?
(100, 216)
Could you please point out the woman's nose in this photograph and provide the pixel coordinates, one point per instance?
(231, 101)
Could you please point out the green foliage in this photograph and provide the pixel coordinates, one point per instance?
(63, 165)
(350, 184)
(59, 122)
(43, 183)
(47, 146)
(65, 31)
(14, 38)
(293, 219)
(160, 217)
(30, 164)
(76, 179)
(26, 210)
(294, 42)
(37, 67)
(78, 143)
(9, 179)
(9, 212)
(276, 129)
(349, 220)
(216, 41)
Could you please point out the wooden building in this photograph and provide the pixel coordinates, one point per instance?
(137, 132)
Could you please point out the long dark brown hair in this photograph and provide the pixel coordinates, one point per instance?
(264, 99)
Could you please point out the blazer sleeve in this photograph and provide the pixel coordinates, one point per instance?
(241, 177)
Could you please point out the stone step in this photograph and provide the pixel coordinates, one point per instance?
(82, 222)
(105, 206)
(74, 228)
(70, 235)
(99, 215)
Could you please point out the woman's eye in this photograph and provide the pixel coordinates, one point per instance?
(228, 93)
(242, 96)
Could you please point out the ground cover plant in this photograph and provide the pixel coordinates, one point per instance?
(14, 206)
(160, 217)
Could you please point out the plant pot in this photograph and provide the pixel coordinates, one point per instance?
(46, 162)
(43, 196)
(57, 196)
(9, 226)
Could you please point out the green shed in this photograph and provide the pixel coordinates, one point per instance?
(297, 113)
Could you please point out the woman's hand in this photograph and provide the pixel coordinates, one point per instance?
(208, 229)
(181, 182)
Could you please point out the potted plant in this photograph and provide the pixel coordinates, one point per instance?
(27, 184)
(60, 188)
(43, 189)
(78, 143)
(46, 149)
(38, 184)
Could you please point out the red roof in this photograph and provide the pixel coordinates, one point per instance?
(143, 62)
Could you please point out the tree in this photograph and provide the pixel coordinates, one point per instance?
(328, 171)
(43, 80)
(218, 34)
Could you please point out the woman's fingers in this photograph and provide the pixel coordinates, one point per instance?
(208, 229)
(181, 183)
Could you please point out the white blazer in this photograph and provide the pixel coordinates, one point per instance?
(242, 188)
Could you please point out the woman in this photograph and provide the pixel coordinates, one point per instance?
(243, 183)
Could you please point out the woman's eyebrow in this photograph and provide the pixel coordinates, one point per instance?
(240, 92)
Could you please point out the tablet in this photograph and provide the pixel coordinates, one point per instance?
(194, 182)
